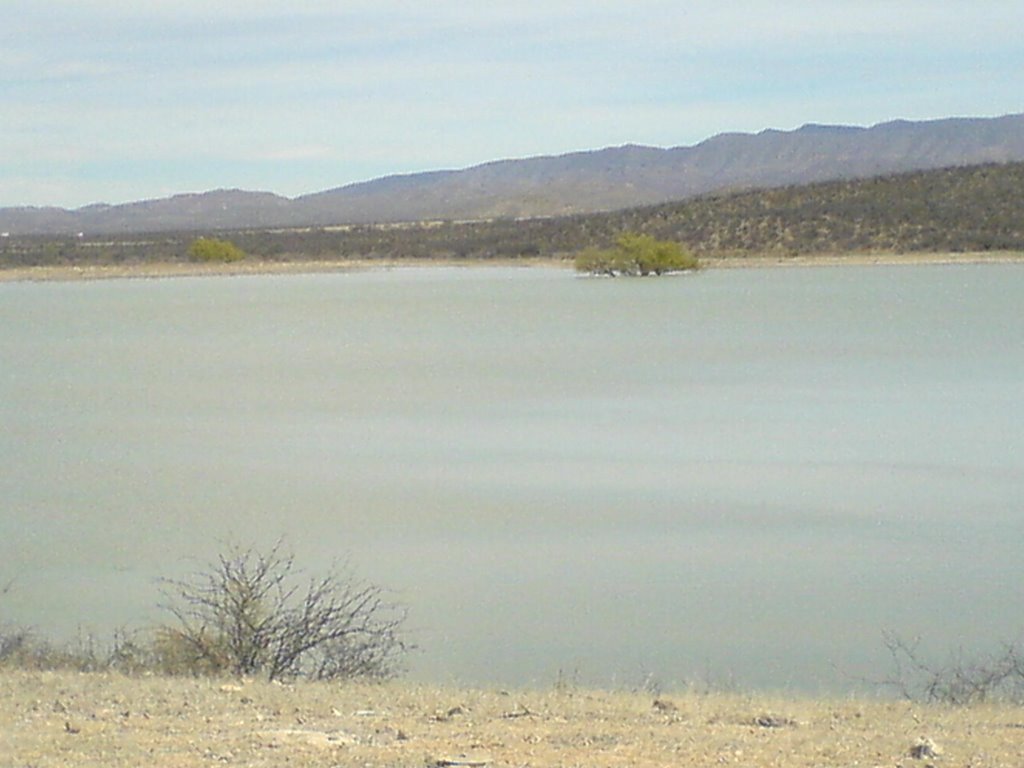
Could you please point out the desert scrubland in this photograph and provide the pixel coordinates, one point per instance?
(59, 718)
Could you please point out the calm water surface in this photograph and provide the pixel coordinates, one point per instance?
(742, 475)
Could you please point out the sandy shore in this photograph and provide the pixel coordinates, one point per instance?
(256, 267)
(70, 719)
(188, 269)
(866, 259)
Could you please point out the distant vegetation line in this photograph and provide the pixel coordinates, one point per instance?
(975, 208)
(978, 208)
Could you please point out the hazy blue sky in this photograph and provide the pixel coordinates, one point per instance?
(114, 100)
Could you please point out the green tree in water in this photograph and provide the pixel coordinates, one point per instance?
(636, 255)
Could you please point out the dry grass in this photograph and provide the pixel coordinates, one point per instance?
(69, 719)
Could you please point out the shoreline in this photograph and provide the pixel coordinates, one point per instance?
(255, 267)
(864, 260)
(75, 273)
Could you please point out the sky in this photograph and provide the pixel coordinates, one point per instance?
(119, 100)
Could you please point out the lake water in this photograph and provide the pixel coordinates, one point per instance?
(740, 475)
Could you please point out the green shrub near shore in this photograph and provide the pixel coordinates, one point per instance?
(636, 256)
(212, 250)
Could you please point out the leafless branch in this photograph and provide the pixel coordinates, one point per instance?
(250, 612)
(960, 681)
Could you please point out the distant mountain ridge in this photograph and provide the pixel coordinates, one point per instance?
(961, 209)
(580, 182)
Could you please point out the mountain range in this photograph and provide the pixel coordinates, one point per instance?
(581, 182)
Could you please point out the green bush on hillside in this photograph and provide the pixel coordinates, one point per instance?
(209, 250)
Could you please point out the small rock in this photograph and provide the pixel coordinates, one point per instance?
(443, 717)
(770, 721)
(518, 712)
(466, 761)
(664, 705)
(323, 739)
(925, 748)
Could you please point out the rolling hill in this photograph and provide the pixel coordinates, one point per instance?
(581, 182)
(957, 209)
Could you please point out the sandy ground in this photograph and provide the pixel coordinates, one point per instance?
(247, 267)
(71, 719)
(256, 267)
(866, 259)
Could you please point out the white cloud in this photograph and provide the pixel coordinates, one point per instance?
(302, 152)
(111, 94)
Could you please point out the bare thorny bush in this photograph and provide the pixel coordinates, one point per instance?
(251, 613)
(23, 648)
(12, 639)
(960, 681)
